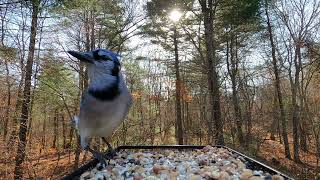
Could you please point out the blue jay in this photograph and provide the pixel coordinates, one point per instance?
(106, 101)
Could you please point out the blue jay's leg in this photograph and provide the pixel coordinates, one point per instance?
(97, 155)
(85, 143)
(111, 152)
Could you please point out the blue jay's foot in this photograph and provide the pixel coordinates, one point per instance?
(110, 152)
(97, 155)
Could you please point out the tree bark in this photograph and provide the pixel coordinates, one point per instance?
(55, 129)
(63, 131)
(303, 124)
(178, 88)
(249, 126)
(78, 147)
(303, 137)
(295, 107)
(216, 122)
(20, 155)
(77, 153)
(232, 67)
(277, 86)
(92, 17)
(7, 112)
(15, 120)
(35, 81)
(275, 115)
(83, 74)
(3, 18)
(44, 129)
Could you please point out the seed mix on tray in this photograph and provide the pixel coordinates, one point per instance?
(207, 163)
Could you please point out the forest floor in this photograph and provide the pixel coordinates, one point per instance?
(53, 164)
(273, 153)
(49, 165)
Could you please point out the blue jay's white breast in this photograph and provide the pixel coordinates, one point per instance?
(101, 118)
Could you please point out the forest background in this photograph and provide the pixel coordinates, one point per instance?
(243, 73)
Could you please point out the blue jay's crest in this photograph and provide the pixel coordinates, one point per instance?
(105, 54)
(99, 59)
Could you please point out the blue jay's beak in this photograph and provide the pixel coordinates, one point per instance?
(85, 57)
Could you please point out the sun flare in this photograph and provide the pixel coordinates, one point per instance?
(175, 15)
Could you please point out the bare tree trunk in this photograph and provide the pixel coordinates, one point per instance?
(295, 107)
(63, 131)
(203, 115)
(303, 124)
(71, 134)
(159, 109)
(44, 128)
(92, 18)
(141, 117)
(83, 74)
(277, 86)
(77, 152)
(232, 67)
(275, 115)
(216, 122)
(29, 126)
(78, 147)
(7, 112)
(20, 156)
(178, 89)
(249, 126)
(13, 134)
(249, 96)
(35, 80)
(55, 129)
(303, 136)
(3, 18)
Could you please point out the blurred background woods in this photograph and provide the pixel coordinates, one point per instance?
(244, 73)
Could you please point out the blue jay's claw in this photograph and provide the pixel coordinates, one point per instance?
(110, 152)
(98, 155)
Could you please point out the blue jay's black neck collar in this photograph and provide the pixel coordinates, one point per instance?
(108, 93)
(116, 69)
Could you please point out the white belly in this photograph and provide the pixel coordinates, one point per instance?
(102, 118)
